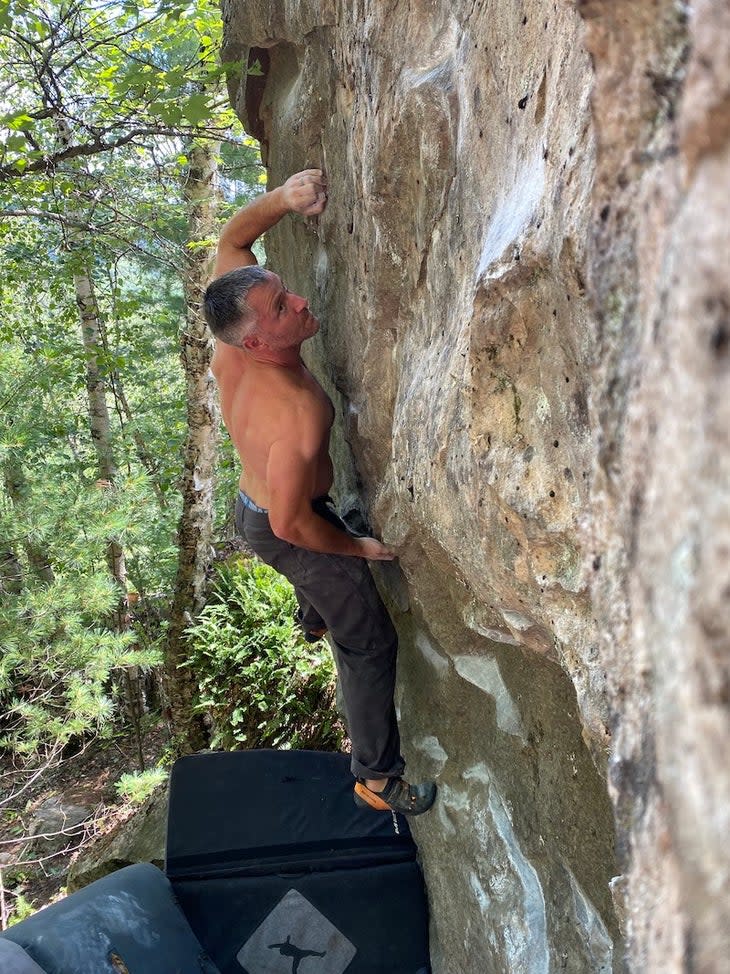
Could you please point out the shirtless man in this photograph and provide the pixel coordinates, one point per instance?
(279, 419)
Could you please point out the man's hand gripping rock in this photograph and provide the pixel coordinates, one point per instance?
(306, 192)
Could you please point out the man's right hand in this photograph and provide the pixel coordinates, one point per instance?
(373, 550)
(306, 192)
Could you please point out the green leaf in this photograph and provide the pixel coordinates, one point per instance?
(195, 109)
(20, 120)
(16, 143)
(6, 16)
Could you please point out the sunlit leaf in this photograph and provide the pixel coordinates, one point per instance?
(195, 109)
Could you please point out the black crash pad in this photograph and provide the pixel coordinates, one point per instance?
(279, 872)
(14, 960)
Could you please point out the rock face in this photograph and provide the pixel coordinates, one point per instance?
(140, 838)
(56, 824)
(522, 281)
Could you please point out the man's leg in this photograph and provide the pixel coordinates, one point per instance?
(365, 650)
(341, 591)
(365, 645)
(311, 622)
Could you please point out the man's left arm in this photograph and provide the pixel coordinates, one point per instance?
(305, 192)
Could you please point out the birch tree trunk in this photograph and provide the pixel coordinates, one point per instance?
(130, 680)
(95, 384)
(196, 521)
(91, 333)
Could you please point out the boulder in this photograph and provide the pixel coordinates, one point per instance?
(56, 824)
(521, 278)
(139, 838)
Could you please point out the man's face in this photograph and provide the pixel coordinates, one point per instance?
(283, 319)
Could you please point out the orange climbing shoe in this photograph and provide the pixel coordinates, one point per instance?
(397, 796)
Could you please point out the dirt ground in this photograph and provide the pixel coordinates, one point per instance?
(33, 873)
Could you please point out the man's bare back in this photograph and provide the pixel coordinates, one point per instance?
(262, 404)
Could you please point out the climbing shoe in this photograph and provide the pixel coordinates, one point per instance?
(397, 796)
(315, 635)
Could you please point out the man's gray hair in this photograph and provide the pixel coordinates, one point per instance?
(224, 304)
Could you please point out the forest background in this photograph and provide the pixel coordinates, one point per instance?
(120, 157)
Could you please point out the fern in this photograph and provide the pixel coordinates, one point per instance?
(261, 683)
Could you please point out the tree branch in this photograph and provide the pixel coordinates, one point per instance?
(55, 217)
(99, 145)
(71, 223)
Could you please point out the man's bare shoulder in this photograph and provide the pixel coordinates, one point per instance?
(297, 402)
(226, 360)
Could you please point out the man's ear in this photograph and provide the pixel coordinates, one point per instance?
(251, 342)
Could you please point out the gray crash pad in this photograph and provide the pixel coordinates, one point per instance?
(127, 921)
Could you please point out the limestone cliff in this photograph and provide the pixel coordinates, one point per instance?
(522, 279)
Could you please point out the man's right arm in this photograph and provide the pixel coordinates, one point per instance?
(304, 192)
(290, 476)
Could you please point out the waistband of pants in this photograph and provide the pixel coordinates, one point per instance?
(323, 501)
(247, 502)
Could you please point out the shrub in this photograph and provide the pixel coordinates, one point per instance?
(57, 660)
(22, 909)
(137, 786)
(261, 682)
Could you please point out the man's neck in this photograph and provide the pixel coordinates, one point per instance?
(287, 358)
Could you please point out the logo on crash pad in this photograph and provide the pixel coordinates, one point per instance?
(295, 938)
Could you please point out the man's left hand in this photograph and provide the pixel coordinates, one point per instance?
(306, 192)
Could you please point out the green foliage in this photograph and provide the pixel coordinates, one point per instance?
(56, 660)
(100, 104)
(124, 70)
(261, 682)
(137, 787)
(45, 442)
(21, 910)
(58, 644)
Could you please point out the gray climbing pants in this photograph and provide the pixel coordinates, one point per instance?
(337, 592)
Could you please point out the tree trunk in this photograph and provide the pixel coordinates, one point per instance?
(11, 572)
(91, 333)
(196, 521)
(95, 385)
(17, 489)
